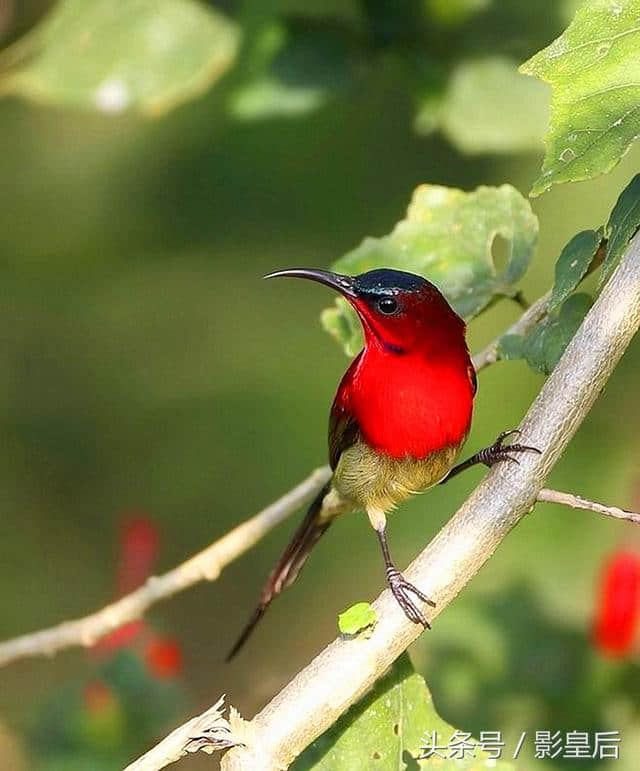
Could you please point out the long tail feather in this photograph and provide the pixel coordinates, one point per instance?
(286, 570)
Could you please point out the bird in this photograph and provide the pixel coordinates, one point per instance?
(399, 419)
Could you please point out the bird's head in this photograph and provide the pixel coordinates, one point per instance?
(399, 311)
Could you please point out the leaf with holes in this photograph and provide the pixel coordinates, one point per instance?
(389, 729)
(594, 71)
(543, 346)
(573, 264)
(148, 56)
(447, 237)
(623, 223)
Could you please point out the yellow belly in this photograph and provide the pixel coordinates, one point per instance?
(371, 481)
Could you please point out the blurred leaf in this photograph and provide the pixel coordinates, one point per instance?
(308, 62)
(147, 56)
(387, 729)
(356, 618)
(572, 265)
(510, 347)
(594, 71)
(451, 13)
(446, 237)
(545, 343)
(624, 221)
(490, 107)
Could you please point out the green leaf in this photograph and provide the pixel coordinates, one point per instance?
(545, 343)
(356, 618)
(594, 71)
(491, 108)
(148, 56)
(623, 223)
(447, 237)
(573, 264)
(387, 730)
(510, 347)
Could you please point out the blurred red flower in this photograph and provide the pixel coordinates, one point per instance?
(619, 604)
(163, 657)
(139, 547)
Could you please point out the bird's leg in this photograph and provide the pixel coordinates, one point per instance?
(400, 587)
(489, 456)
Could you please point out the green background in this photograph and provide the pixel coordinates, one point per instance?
(145, 366)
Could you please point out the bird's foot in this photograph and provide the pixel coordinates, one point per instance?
(401, 589)
(499, 451)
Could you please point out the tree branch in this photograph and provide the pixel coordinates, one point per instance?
(346, 669)
(206, 565)
(577, 502)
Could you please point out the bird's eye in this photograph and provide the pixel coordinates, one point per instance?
(387, 305)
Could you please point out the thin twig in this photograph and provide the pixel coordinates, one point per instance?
(576, 502)
(206, 565)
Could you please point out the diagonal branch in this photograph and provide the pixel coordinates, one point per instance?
(344, 671)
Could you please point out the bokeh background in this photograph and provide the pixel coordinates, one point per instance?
(144, 366)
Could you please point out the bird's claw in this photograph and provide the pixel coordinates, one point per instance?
(401, 589)
(499, 451)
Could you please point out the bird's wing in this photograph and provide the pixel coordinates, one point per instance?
(473, 378)
(344, 432)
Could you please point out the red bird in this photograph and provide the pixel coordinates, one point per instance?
(399, 419)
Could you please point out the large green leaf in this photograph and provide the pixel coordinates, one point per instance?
(594, 71)
(388, 729)
(144, 55)
(447, 237)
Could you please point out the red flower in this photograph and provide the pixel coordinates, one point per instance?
(163, 657)
(139, 546)
(617, 616)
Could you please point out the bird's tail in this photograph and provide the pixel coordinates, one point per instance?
(286, 570)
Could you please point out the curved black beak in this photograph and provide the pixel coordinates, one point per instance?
(343, 284)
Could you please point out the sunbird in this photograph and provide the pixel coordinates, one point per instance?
(398, 422)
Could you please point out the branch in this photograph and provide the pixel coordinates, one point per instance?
(206, 565)
(346, 669)
(576, 502)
